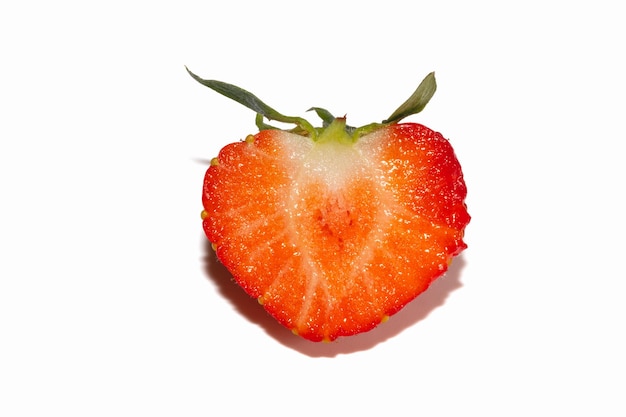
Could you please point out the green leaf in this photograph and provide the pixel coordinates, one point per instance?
(324, 114)
(252, 102)
(417, 101)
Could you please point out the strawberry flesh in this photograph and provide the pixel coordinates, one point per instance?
(333, 236)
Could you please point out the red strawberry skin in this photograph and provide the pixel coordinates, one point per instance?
(334, 238)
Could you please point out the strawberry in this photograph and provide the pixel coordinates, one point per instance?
(334, 229)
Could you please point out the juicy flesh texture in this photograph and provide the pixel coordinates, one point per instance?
(333, 238)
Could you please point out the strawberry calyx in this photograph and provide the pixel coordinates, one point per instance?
(333, 128)
(337, 132)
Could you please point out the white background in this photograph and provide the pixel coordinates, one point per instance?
(111, 302)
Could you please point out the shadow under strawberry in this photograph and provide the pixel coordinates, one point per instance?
(411, 314)
(243, 303)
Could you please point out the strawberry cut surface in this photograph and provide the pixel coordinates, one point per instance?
(333, 237)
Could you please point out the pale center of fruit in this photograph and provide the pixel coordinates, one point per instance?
(333, 164)
(333, 206)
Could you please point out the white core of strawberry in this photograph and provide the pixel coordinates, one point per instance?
(332, 163)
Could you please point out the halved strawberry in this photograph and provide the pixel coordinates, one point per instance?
(335, 229)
